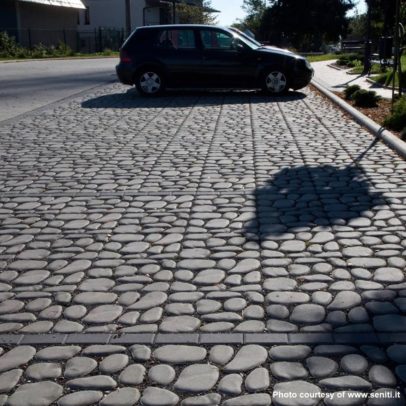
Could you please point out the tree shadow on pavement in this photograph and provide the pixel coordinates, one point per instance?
(185, 98)
(311, 196)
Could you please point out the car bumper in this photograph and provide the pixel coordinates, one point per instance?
(301, 78)
(125, 74)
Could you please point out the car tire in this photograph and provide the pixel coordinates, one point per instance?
(150, 82)
(275, 82)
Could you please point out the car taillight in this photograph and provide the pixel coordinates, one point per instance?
(124, 57)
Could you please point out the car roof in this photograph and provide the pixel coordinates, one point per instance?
(146, 27)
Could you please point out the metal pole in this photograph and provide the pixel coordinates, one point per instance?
(397, 45)
(128, 17)
(173, 11)
(367, 53)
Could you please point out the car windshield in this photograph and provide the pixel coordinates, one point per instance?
(252, 42)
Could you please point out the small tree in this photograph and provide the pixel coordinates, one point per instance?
(195, 15)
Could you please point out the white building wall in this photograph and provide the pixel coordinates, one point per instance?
(111, 14)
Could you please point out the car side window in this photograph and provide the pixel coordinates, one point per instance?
(212, 39)
(176, 39)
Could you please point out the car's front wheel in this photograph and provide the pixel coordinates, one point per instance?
(275, 82)
(150, 82)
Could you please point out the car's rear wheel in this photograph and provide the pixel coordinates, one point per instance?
(150, 82)
(275, 82)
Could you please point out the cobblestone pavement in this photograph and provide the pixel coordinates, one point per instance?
(275, 225)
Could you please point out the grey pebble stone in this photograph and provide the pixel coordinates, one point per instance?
(121, 397)
(16, 357)
(345, 300)
(217, 327)
(257, 399)
(207, 306)
(140, 352)
(81, 398)
(230, 384)
(257, 380)
(374, 354)
(288, 370)
(179, 308)
(346, 382)
(308, 313)
(289, 352)
(277, 311)
(211, 399)
(321, 367)
(133, 374)
(149, 300)
(247, 357)
(161, 374)
(79, 366)
(153, 396)
(279, 326)
(179, 354)
(36, 394)
(103, 314)
(179, 324)
(299, 389)
(43, 370)
(97, 382)
(322, 298)
(9, 379)
(354, 364)
(75, 312)
(287, 298)
(58, 353)
(235, 304)
(396, 352)
(221, 354)
(382, 376)
(197, 378)
(151, 315)
(401, 372)
(113, 363)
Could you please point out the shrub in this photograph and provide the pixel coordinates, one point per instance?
(39, 51)
(8, 46)
(397, 120)
(350, 60)
(350, 90)
(365, 98)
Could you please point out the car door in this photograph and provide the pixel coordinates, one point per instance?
(179, 54)
(225, 61)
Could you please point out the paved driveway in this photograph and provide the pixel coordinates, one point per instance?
(199, 247)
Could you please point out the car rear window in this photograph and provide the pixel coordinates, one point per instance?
(141, 38)
(176, 39)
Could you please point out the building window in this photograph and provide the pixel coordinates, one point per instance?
(87, 16)
(78, 18)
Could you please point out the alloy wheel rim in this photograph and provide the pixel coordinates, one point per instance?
(150, 82)
(276, 82)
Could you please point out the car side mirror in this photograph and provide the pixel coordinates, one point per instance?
(238, 46)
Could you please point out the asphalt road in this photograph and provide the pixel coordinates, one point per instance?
(28, 85)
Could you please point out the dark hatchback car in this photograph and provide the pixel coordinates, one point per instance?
(158, 57)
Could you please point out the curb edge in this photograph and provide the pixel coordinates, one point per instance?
(386, 136)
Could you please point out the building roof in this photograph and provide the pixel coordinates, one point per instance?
(60, 3)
